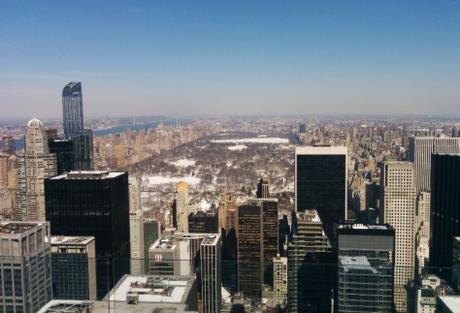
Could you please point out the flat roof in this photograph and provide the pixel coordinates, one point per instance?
(310, 215)
(71, 240)
(87, 175)
(82, 306)
(153, 289)
(361, 263)
(451, 302)
(321, 150)
(211, 240)
(17, 227)
(365, 226)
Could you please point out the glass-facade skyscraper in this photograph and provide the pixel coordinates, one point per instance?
(365, 268)
(72, 109)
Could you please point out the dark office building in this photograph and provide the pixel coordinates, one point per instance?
(203, 222)
(73, 267)
(63, 149)
(72, 109)
(257, 245)
(263, 188)
(152, 231)
(93, 204)
(321, 182)
(249, 250)
(312, 266)
(365, 268)
(445, 209)
(83, 150)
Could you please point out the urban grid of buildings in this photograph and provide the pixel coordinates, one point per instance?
(365, 218)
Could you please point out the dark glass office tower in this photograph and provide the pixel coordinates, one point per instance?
(445, 209)
(321, 182)
(72, 109)
(152, 231)
(63, 149)
(203, 222)
(83, 150)
(365, 268)
(249, 250)
(312, 266)
(95, 204)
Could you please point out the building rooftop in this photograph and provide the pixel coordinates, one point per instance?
(17, 228)
(88, 175)
(360, 263)
(451, 302)
(211, 240)
(78, 306)
(152, 289)
(321, 150)
(310, 215)
(71, 240)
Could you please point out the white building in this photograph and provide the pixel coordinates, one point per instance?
(183, 208)
(136, 228)
(398, 182)
(32, 168)
(280, 279)
(423, 228)
(25, 266)
(211, 273)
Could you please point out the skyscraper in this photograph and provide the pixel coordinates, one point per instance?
(321, 182)
(398, 182)
(203, 222)
(250, 250)
(72, 109)
(420, 151)
(136, 228)
(25, 266)
(94, 203)
(152, 231)
(257, 235)
(65, 157)
(33, 167)
(83, 150)
(74, 267)
(365, 268)
(263, 188)
(280, 279)
(312, 265)
(182, 206)
(445, 208)
(211, 273)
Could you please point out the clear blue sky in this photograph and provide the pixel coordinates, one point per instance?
(230, 57)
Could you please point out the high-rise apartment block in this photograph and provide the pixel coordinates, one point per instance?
(94, 203)
(182, 207)
(32, 168)
(25, 266)
(365, 268)
(136, 229)
(420, 151)
(312, 265)
(398, 204)
(445, 208)
(321, 182)
(74, 267)
(228, 212)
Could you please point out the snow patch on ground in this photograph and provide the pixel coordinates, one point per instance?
(184, 163)
(161, 180)
(274, 140)
(237, 147)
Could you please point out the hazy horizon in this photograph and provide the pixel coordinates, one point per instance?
(231, 58)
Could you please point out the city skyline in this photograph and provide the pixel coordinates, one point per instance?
(231, 58)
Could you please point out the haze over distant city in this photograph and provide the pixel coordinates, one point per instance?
(207, 57)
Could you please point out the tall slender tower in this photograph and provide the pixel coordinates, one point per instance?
(136, 228)
(398, 181)
(72, 109)
(33, 167)
(182, 207)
